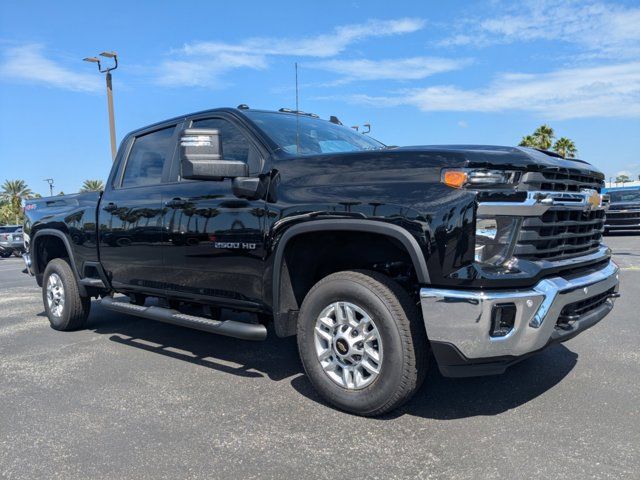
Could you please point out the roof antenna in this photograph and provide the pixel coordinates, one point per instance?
(297, 115)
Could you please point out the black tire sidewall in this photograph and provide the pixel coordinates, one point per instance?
(63, 270)
(378, 393)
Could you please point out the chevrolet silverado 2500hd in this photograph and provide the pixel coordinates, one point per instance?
(376, 257)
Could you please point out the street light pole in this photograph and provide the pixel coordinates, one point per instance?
(112, 124)
(107, 71)
(50, 182)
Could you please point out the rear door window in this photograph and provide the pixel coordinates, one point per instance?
(148, 157)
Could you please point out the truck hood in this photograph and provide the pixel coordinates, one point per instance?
(491, 156)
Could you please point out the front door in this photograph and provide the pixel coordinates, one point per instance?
(215, 243)
(131, 211)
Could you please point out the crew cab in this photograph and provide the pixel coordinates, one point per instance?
(377, 258)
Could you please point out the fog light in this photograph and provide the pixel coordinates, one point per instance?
(503, 318)
(495, 239)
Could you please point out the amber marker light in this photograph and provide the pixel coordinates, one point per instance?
(454, 178)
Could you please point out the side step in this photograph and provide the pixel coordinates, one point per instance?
(230, 328)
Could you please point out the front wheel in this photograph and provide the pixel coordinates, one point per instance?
(361, 342)
(65, 307)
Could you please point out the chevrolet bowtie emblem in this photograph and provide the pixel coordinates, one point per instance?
(594, 199)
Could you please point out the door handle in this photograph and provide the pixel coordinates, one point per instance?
(176, 202)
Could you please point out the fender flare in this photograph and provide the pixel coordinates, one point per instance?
(46, 232)
(407, 240)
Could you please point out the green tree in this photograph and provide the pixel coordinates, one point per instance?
(622, 179)
(541, 138)
(529, 141)
(13, 192)
(92, 186)
(565, 147)
(544, 135)
(6, 214)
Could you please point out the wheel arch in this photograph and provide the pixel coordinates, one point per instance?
(44, 235)
(285, 319)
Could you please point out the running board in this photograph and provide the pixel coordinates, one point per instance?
(230, 328)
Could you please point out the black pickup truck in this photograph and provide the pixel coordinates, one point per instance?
(377, 258)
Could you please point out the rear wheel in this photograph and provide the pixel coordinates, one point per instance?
(65, 307)
(5, 254)
(361, 342)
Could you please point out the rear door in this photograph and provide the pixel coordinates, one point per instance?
(131, 210)
(215, 245)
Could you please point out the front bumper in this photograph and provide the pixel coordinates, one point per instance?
(11, 247)
(458, 322)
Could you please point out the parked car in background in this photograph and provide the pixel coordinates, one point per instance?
(11, 241)
(624, 209)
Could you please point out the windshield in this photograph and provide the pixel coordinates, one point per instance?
(627, 196)
(10, 229)
(315, 135)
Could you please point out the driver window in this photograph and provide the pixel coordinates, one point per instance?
(235, 146)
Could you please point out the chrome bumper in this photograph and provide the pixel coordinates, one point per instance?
(462, 318)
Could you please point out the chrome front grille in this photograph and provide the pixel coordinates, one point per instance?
(560, 233)
(561, 180)
(623, 217)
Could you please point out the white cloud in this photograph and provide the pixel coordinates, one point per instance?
(604, 91)
(324, 45)
(463, 124)
(203, 63)
(28, 63)
(414, 68)
(600, 28)
(206, 72)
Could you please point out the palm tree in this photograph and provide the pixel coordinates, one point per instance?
(544, 135)
(13, 192)
(529, 141)
(92, 186)
(565, 147)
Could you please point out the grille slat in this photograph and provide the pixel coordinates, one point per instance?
(562, 180)
(533, 236)
(560, 233)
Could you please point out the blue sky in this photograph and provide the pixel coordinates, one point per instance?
(419, 72)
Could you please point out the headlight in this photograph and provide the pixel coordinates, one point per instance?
(495, 239)
(478, 177)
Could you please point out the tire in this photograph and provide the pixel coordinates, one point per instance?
(401, 342)
(5, 254)
(73, 312)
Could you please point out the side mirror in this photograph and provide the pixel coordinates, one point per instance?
(201, 156)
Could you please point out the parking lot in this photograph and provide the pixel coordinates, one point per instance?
(130, 398)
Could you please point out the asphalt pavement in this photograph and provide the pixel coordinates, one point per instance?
(131, 398)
